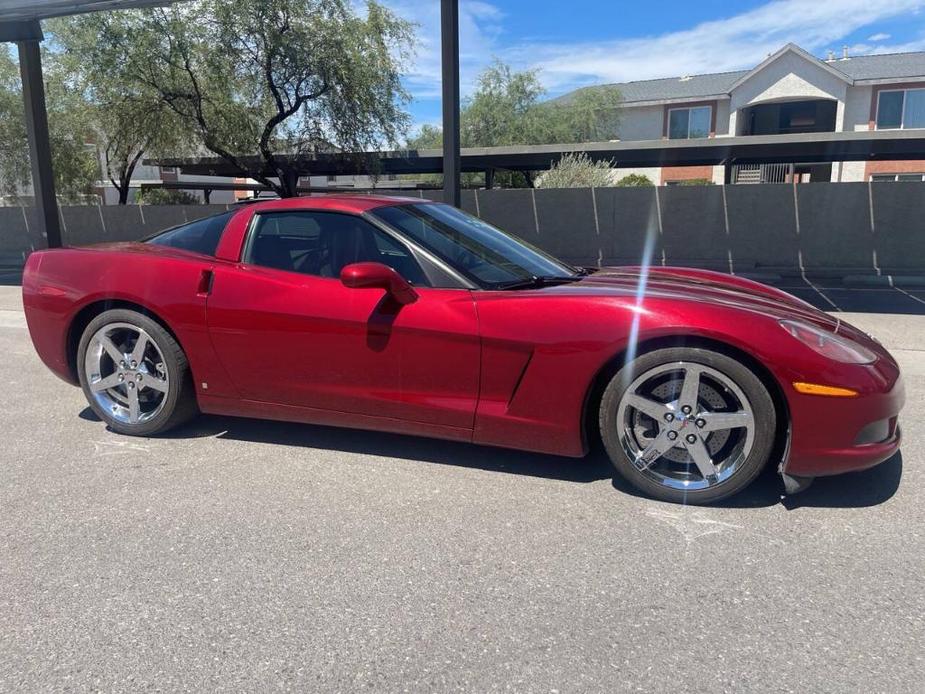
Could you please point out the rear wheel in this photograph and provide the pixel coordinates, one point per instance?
(687, 425)
(134, 374)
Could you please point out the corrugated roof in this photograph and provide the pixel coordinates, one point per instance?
(884, 66)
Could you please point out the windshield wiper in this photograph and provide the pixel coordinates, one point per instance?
(538, 281)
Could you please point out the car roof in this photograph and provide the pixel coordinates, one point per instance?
(341, 202)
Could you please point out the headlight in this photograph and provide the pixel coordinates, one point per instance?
(828, 344)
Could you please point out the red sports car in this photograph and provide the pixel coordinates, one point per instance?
(414, 317)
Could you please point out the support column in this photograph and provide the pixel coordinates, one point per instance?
(449, 40)
(489, 179)
(43, 178)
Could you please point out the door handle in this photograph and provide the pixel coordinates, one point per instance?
(206, 278)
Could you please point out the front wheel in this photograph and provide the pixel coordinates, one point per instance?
(687, 425)
(134, 374)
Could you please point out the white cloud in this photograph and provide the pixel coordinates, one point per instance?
(480, 29)
(736, 42)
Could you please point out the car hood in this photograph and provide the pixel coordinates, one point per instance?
(703, 286)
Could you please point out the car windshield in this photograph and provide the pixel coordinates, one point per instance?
(484, 254)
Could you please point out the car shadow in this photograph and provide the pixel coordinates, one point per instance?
(588, 469)
(852, 490)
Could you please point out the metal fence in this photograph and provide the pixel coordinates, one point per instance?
(816, 229)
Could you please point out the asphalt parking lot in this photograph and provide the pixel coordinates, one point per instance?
(257, 556)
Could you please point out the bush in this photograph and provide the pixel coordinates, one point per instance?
(634, 181)
(162, 196)
(577, 171)
(696, 182)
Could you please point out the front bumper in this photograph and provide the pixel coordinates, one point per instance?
(829, 436)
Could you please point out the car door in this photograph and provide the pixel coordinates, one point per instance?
(289, 332)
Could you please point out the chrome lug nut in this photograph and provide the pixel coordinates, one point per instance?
(131, 386)
(672, 435)
(134, 364)
(686, 409)
(122, 364)
(669, 417)
(691, 438)
(138, 377)
(701, 423)
(121, 378)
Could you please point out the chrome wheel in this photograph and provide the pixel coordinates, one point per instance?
(126, 374)
(685, 426)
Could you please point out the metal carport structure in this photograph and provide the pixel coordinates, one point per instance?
(728, 151)
(20, 24)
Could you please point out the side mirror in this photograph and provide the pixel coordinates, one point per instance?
(378, 276)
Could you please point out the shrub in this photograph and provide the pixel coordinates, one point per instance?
(162, 196)
(634, 181)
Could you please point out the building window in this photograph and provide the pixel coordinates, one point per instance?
(901, 108)
(689, 123)
(901, 178)
(168, 169)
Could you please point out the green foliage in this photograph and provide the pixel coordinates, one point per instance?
(696, 182)
(634, 181)
(591, 115)
(162, 196)
(130, 120)
(14, 151)
(70, 129)
(506, 109)
(275, 77)
(577, 170)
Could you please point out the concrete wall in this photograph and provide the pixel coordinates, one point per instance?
(822, 229)
(20, 233)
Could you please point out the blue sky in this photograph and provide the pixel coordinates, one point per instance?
(580, 42)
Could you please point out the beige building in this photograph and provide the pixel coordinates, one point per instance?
(792, 91)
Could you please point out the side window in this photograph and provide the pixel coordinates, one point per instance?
(201, 236)
(322, 243)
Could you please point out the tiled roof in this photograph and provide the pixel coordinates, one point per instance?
(889, 66)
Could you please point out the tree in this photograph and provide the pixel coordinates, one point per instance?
(505, 109)
(75, 166)
(577, 170)
(14, 151)
(634, 181)
(129, 119)
(590, 115)
(278, 78)
(161, 196)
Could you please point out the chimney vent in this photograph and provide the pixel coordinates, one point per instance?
(844, 53)
(831, 55)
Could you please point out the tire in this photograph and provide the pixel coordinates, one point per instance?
(143, 397)
(693, 445)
